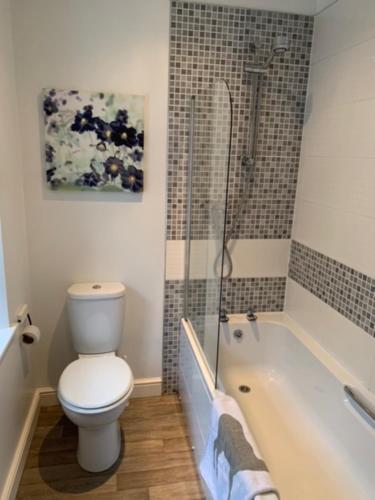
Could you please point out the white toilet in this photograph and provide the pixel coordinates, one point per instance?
(94, 390)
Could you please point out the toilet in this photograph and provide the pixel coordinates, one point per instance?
(94, 389)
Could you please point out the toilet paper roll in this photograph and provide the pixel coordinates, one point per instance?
(31, 334)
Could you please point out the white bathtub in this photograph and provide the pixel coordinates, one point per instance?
(315, 442)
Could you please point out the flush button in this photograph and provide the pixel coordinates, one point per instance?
(97, 287)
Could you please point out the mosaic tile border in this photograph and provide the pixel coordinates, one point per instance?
(263, 294)
(346, 290)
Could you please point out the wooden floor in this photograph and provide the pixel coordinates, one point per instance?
(156, 462)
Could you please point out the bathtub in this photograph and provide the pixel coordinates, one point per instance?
(316, 441)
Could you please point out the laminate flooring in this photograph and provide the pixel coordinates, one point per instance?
(156, 461)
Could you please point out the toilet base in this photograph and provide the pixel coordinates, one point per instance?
(99, 447)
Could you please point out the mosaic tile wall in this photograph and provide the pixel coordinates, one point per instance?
(208, 42)
(263, 294)
(173, 312)
(238, 294)
(349, 292)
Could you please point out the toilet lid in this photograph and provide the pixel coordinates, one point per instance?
(95, 381)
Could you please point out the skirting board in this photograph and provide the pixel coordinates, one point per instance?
(46, 396)
(145, 387)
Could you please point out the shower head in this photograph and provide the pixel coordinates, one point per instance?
(280, 45)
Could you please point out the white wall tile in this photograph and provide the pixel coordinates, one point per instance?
(335, 204)
(344, 24)
(260, 258)
(349, 344)
(174, 259)
(345, 77)
(340, 131)
(346, 237)
(202, 256)
(346, 184)
(251, 258)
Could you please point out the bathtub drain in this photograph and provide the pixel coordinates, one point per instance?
(244, 388)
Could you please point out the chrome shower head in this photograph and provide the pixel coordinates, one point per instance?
(280, 45)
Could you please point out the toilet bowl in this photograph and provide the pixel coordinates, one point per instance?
(94, 391)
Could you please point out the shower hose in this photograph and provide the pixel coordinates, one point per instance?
(224, 258)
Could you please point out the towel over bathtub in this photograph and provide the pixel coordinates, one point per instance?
(229, 466)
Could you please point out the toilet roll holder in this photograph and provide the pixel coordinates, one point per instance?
(23, 315)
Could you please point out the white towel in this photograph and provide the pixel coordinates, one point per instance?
(229, 466)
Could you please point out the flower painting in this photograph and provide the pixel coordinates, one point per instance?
(93, 141)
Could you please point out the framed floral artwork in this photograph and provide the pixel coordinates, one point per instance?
(93, 141)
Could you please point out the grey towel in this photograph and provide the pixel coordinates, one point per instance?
(231, 467)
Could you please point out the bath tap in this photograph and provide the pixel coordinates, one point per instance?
(250, 314)
(223, 316)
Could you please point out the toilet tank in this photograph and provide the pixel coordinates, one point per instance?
(96, 316)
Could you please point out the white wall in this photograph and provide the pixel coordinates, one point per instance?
(120, 46)
(4, 318)
(12, 209)
(15, 369)
(335, 205)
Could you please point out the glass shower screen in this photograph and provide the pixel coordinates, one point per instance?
(209, 152)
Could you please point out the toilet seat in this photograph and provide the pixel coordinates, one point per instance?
(95, 411)
(95, 382)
